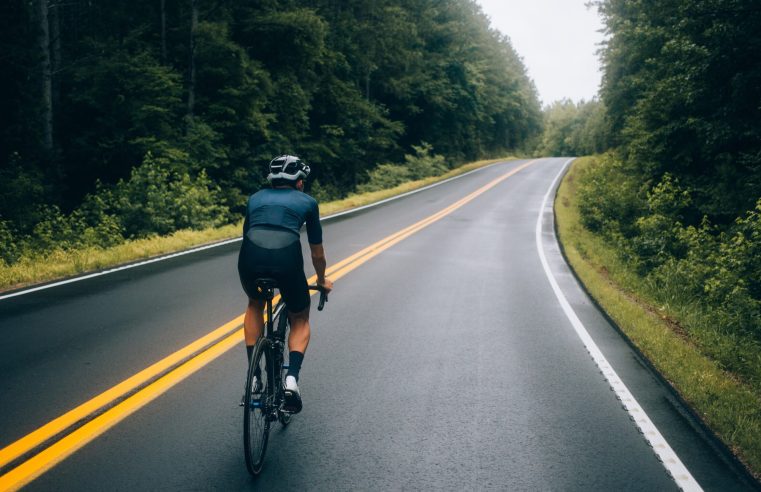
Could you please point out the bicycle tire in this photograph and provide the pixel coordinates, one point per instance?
(282, 331)
(257, 410)
(282, 323)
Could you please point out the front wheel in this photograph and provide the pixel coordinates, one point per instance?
(258, 405)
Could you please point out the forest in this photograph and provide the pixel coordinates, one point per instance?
(677, 194)
(129, 119)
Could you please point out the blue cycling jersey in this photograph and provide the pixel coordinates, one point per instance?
(285, 208)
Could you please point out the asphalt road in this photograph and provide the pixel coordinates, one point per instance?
(445, 362)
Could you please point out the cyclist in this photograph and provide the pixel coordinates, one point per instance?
(271, 248)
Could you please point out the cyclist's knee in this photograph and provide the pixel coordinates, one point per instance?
(301, 316)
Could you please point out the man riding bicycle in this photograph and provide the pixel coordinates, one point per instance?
(271, 248)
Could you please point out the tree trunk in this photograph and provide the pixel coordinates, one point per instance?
(192, 81)
(367, 84)
(46, 86)
(163, 32)
(55, 46)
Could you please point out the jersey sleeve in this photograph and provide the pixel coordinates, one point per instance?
(246, 215)
(314, 228)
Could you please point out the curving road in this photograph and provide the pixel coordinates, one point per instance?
(444, 361)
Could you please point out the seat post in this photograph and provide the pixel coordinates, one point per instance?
(267, 287)
(270, 322)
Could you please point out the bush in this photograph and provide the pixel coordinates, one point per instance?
(744, 249)
(385, 176)
(659, 236)
(424, 164)
(712, 274)
(609, 202)
(79, 229)
(157, 200)
(324, 193)
(418, 166)
(10, 249)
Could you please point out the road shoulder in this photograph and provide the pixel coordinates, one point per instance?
(728, 408)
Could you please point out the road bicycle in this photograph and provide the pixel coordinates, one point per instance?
(264, 395)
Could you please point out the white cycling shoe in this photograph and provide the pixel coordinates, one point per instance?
(292, 403)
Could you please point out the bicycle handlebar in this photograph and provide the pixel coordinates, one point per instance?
(323, 296)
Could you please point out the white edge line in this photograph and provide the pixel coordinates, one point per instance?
(230, 241)
(655, 439)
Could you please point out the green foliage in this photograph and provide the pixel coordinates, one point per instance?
(156, 200)
(697, 347)
(424, 164)
(610, 201)
(709, 271)
(385, 176)
(682, 92)
(66, 232)
(344, 85)
(678, 198)
(125, 105)
(324, 193)
(657, 235)
(22, 188)
(418, 166)
(572, 129)
(10, 251)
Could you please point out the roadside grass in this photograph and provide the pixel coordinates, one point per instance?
(66, 263)
(729, 403)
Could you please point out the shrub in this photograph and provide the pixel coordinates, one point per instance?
(10, 248)
(157, 200)
(418, 166)
(385, 176)
(423, 164)
(324, 193)
(78, 229)
(659, 235)
(744, 249)
(710, 273)
(609, 203)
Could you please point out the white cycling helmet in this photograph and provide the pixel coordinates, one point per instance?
(288, 167)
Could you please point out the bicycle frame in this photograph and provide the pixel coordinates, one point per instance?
(271, 344)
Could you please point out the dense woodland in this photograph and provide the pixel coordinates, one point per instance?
(125, 119)
(678, 194)
(575, 128)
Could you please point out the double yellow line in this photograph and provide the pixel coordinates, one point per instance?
(84, 423)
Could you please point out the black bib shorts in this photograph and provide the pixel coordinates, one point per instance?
(270, 252)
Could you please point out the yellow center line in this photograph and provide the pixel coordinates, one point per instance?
(226, 336)
(30, 441)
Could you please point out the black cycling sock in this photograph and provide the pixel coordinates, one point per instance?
(294, 364)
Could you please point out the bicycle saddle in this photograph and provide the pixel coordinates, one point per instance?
(265, 285)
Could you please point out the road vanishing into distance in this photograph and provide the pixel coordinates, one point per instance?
(456, 352)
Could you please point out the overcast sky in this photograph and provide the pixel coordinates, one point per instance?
(558, 41)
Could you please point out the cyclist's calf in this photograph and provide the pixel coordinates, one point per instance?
(300, 331)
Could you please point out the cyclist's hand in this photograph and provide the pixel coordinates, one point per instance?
(327, 285)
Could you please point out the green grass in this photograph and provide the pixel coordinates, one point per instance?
(61, 264)
(728, 403)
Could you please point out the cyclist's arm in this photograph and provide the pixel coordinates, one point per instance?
(320, 263)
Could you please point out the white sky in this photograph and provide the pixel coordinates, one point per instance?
(558, 41)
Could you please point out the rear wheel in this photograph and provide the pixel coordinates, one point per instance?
(258, 406)
(282, 323)
(282, 329)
